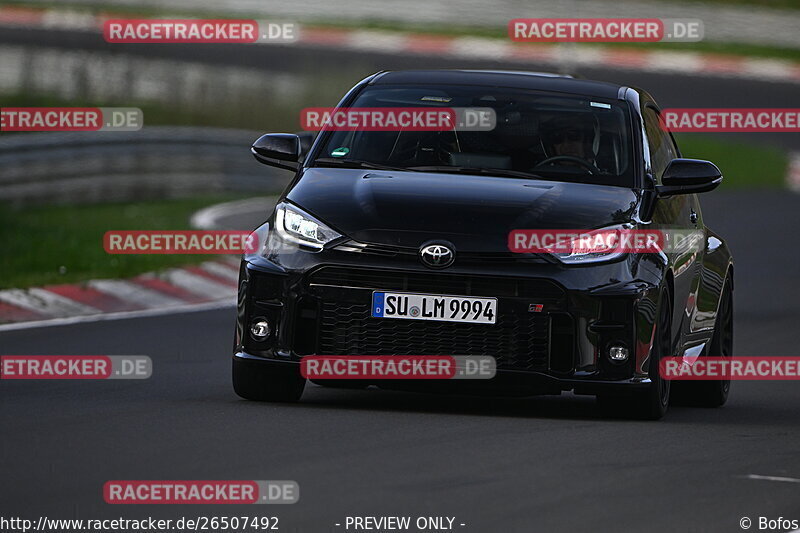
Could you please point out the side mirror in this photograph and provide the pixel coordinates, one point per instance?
(689, 176)
(306, 140)
(280, 150)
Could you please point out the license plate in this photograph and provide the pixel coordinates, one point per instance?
(434, 307)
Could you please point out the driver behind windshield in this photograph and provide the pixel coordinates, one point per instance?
(570, 136)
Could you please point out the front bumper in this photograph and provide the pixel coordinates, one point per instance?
(323, 307)
(505, 382)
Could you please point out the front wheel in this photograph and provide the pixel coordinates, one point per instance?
(654, 402)
(267, 382)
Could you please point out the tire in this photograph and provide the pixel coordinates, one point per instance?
(265, 382)
(652, 403)
(714, 393)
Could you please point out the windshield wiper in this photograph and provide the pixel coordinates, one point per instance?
(353, 163)
(356, 163)
(500, 172)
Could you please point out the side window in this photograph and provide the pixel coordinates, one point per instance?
(662, 149)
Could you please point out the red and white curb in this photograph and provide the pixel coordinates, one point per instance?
(560, 56)
(208, 285)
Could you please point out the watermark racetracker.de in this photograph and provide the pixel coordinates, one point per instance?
(71, 119)
(180, 242)
(21, 367)
(730, 368)
(166, 31)
(606, 240)
(398, 118)
(731, 120)
(397, 367)
(201, 492)
(603, 30)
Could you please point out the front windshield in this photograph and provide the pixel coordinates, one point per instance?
(537, 135)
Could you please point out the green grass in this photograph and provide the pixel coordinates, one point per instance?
(64, 244)
(742, 164)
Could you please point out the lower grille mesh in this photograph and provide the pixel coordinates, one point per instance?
(518, 342)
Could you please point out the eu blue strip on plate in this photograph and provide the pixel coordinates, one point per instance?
(377, 304)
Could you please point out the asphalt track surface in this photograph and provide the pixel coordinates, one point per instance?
(496, 464)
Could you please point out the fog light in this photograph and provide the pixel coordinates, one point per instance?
(260, 329)
(618, 353)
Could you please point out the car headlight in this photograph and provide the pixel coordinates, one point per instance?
(595, 246)
(296, 226)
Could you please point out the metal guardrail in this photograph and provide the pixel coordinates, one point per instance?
(154, 162)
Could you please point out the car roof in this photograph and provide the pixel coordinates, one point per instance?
(502, 78)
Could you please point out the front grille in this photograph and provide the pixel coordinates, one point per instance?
(519, 340)
(437, 283)
(516, 341)
(461, 258)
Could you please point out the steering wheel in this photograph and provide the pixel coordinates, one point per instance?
(591, 168)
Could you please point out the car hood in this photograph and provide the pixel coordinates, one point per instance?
(475, 213)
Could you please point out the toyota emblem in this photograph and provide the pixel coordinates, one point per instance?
(437, 255)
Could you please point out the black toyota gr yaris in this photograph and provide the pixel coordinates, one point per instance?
(425, 213)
